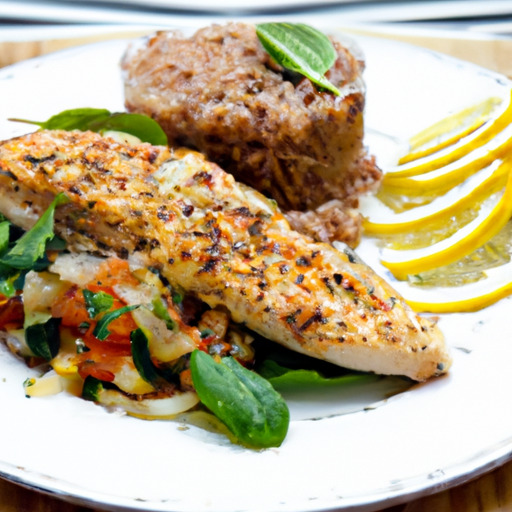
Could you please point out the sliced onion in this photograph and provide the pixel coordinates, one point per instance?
(149, 408)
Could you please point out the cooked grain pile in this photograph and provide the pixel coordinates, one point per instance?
(221, 93)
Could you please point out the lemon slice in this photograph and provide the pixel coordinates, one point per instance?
(454, 173)
(496, 285)
(379, 220)
(490, 220)
(452, 153)
(450, 130)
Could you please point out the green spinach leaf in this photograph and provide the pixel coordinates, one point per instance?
(244, 401)
(32, 245)
(143, 127)
(101, 120)
(283, 378)
(73, 119)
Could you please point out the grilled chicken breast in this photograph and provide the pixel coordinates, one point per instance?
(221, 241)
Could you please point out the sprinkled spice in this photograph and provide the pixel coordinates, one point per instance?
(303, 261)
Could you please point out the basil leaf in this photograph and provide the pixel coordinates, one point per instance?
(32, 245)
(142, 126)
(44, 339)
(100, 120)
(245, 402)
(285, 378)
(142, 358)
(300, 48)
(73, 119)
(101, 330)
(97, 303)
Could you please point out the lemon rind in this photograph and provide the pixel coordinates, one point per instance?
(450, 154)
(481, 113)
(413, 261)
(442, 179)
(462, 299)
(486, 182)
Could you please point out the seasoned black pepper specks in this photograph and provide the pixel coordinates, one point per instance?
(209, 266)
(193, 223)
(303, 261)
(187, 210)
(316, 317)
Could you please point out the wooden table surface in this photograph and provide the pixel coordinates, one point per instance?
(491, 492)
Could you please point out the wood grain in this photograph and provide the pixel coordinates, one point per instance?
(14, 51)
(491, 492)
(490, 53)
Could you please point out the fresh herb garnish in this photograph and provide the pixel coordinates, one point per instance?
(300, 48)
(244, 401)
(73, 119)
(101, 330)
(143, 127)
(142, 358)
(101, 120)
(97, 303)
(32, 245)
(44, 339)
(283, 378)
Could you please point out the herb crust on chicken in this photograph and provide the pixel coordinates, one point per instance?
(222, 242)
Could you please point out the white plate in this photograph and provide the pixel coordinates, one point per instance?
(420, 441)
